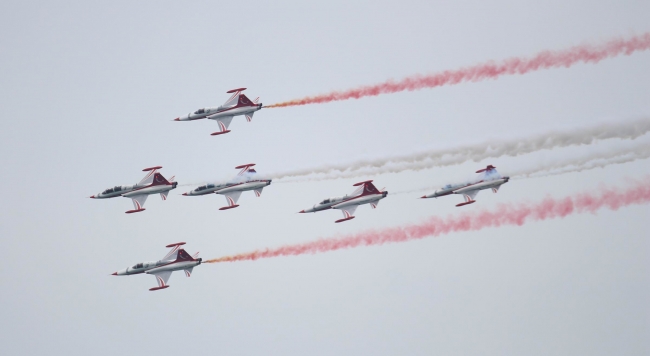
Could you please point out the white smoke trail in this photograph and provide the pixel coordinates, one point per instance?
(592, 160)
(628, 130)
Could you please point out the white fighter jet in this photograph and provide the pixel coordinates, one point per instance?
(491, 179)
(177, 259)
(245, 180)
(152, 183)
(238, 104)
(367, 193)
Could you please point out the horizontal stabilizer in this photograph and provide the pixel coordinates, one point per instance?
(258, 191)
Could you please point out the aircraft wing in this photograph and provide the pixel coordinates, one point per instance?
(349, 211)
(162, 278)
(470, 195)
(138, 200)
(148, 179)
(173, 253)
(223, 121)
(234, 98)
(232, 198)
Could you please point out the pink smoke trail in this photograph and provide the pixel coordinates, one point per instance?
(506, 214)
(490, 70)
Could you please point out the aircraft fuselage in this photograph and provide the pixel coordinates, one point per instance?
(157, 266)
(229, 187)
(363, 199)
(493, 183)
(461, 188)
(219, 112)
(131, 190)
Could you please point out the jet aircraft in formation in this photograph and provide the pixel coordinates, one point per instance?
(238, 104)
(152, 183)
(175, 260)
(490, 180)
(367, 193)
(244, 181)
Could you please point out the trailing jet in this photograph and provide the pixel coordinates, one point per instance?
(491, 179)
(152, 183)
(245, 180)
(367, 193)
(238, 104)
(175, 260)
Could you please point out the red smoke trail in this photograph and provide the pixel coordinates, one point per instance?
(490, 70)
(548, 208)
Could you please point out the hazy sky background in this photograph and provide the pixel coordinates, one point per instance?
(87, 95)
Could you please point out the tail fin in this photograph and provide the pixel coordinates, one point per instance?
(244, 101)
(368, 188)
(183, 256)
(158, 179)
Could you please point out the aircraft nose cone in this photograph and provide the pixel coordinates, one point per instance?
(423, 197)
(114, 274)
(92, 197)
(177, 119)
(185, 194)
(301, 212)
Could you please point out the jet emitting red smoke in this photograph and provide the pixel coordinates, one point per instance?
(490, 70)
(505, 214)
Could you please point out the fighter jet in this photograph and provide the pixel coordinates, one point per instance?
(177, 259)
(245, 180)
(367, 193)
(491, 179)
(238, 104)
(152, 183)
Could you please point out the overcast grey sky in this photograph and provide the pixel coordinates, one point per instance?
(87, 96)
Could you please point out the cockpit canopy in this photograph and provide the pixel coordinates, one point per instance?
(143, 265)
(204, 187)
(200, 111)
(332, 200)
(113, 190)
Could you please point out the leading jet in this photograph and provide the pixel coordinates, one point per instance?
(367, 193)
(491, 179)
(152, 183)
(175, 260)
(237, 104)
(244, 181)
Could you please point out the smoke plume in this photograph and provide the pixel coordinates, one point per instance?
(626, 130)
(490, 70)
(503, 215)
